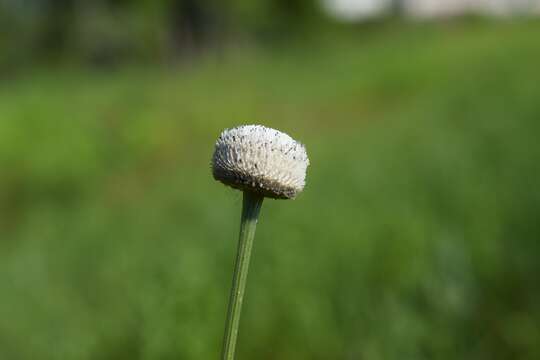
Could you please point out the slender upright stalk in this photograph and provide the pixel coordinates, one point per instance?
(250, 213)
(262, 162)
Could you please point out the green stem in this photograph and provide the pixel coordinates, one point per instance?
(250, 214)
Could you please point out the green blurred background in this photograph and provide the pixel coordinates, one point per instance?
(417, 236)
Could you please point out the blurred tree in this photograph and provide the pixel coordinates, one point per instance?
(109, 31)
(56, 24)
(194, 24)
(112, 31)
(274, 19)
(18, 32)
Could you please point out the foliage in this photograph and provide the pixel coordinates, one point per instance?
(108, 32)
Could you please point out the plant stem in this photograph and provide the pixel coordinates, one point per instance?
(250, 213)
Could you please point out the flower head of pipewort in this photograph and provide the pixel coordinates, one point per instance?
(261, 160)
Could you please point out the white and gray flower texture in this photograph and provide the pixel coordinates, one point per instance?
(261, 160)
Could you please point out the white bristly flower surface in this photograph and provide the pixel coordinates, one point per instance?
(262, 162)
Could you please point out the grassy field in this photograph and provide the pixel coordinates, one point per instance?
(417, 237)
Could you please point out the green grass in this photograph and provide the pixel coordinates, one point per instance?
(417, 236)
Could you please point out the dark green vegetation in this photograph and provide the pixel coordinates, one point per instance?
(107, 32)
(417, 237)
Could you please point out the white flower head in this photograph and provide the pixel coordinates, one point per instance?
(262, 160)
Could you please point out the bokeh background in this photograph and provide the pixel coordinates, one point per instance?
(417, 237)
